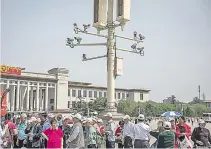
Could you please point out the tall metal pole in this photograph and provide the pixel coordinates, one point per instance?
(199, 91)
(111, 59)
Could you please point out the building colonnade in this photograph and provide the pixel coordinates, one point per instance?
(28, 95)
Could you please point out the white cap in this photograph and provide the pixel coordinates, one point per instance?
(100, 121)
(23, 115)
(89, 120)
(108, 115)
(78, 116)
(141, 117)
(126, 117)
(167, 125)
(201, 121)
(32, 119)
(38, 120)
(171, 119)
(51, 115)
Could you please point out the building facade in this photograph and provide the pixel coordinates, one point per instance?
(53, 91)
(208, 103)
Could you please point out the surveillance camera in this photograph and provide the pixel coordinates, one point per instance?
(141, 37)
(75, 25)
(135, 34)
(141, 53)
(140, 49)
(78, 39)
(86, 27)
(134, 46)
(84, 57)
(70, 41)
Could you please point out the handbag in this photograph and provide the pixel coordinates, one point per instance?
(185, 143)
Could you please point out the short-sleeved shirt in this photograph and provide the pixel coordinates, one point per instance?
(11, 125)
(21, 130)
(54, 137)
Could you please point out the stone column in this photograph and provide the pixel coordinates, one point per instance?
(46, 97)
(40, 99)
(55, 98)
(17, 97)
(8, 95)
(27, 96)
(23, 95)
(12, 104)
(37, 97)
(31, 100)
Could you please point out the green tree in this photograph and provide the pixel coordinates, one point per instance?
(188, 111)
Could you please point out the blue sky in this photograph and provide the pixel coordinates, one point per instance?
(177, 46)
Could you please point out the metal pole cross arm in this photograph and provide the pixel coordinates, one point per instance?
(125, 50)
(128, 38)
(91, 44)
(98, 57)
(89, 33)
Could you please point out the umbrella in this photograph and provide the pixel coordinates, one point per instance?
(171, 113)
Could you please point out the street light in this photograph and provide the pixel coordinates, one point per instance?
(114, 64)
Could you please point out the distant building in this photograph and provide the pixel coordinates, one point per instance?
(52, 91)
(168, 100)
(207, 103)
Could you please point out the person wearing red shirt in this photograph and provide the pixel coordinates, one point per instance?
(12, 129)
(183, 129)
(119, 134)
(54, 135)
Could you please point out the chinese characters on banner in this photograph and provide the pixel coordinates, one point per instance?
(4, 69)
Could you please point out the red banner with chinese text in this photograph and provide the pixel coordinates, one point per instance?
(4, 69)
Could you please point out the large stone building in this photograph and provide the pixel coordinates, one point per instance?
(52, 91)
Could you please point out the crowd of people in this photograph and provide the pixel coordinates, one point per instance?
(50, 131)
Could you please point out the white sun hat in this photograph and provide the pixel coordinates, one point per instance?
(201, 121)
(141, 117)
(126, 117)
(78, 116)
(108, 114)
(167, 125)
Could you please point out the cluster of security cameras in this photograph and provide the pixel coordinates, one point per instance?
(70, 41)
(77, 30)
(138, 39)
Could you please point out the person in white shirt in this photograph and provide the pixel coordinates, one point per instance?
(128, 132)
(141, 133)
(109, 131)
(76, 138)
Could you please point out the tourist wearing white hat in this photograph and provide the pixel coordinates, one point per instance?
(141, 133)
(33, 133)
(76, 139)
(66, 128)
(201, 136)
(21, 131)
(128, 132)
(45, 119)
(166, 138)
(110, 128)
(91, 138)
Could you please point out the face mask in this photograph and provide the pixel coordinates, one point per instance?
(202, 125)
